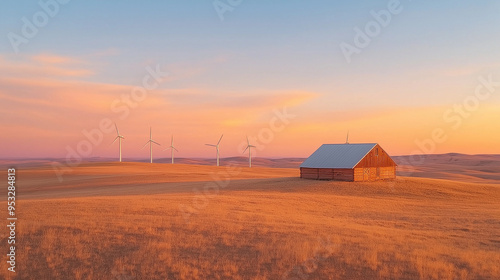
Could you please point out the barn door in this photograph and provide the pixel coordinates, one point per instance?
(366, 174)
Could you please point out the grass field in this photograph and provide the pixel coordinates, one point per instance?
(143, 221)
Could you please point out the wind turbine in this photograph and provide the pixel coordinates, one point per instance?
(249, 147)
(150, 142)
(217, 148)
(172, 147)
(347, 139)
(119, 138)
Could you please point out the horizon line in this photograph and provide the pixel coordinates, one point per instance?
(205, 158)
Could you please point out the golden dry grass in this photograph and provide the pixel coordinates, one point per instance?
(103, 223)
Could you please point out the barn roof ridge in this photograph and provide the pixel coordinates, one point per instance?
(373, 143)
(365, 155)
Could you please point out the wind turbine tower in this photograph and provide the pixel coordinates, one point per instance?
(249, 147)
(173, 148)
(150, 142)
(217, 148)
(119, 138)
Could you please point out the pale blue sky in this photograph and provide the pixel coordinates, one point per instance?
(278, 44)
(429, 55)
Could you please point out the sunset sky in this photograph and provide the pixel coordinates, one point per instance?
(273, 70)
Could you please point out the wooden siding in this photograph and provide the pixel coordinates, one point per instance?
(343, 175)
(327, 174)
(377, 157)
(309, 173)
(365, 174)
(356, 174)
(374, 173)
(388, 172)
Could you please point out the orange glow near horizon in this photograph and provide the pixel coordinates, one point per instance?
(47, 111)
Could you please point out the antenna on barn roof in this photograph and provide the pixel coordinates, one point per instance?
(347, 139)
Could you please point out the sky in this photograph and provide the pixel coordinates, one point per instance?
(414, 76)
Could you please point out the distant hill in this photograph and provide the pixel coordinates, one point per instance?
(240, 161)
(452, 166)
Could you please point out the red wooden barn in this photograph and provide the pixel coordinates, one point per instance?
(349, 162)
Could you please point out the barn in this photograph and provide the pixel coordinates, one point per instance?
(349, 162)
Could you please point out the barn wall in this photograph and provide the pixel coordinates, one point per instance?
(327, 174)
(374, 160)
(376, 165)
(309, 173)
(365, 174)
(343, 174)
(358, 174)
(388, 172)
(374, 173)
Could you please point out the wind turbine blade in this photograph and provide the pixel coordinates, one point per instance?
(220, 139)
(245, 149)
(114, 140)
(175, 149)
(166, 149)
(248, 141)
(172, 141)
(211, 145)
(150, 134)
(118, 133)
(145, 145)
(252, 146)
(156, 143)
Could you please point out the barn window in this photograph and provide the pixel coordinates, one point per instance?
(376, 151)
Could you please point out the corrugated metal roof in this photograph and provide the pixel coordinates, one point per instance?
(337, 155)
